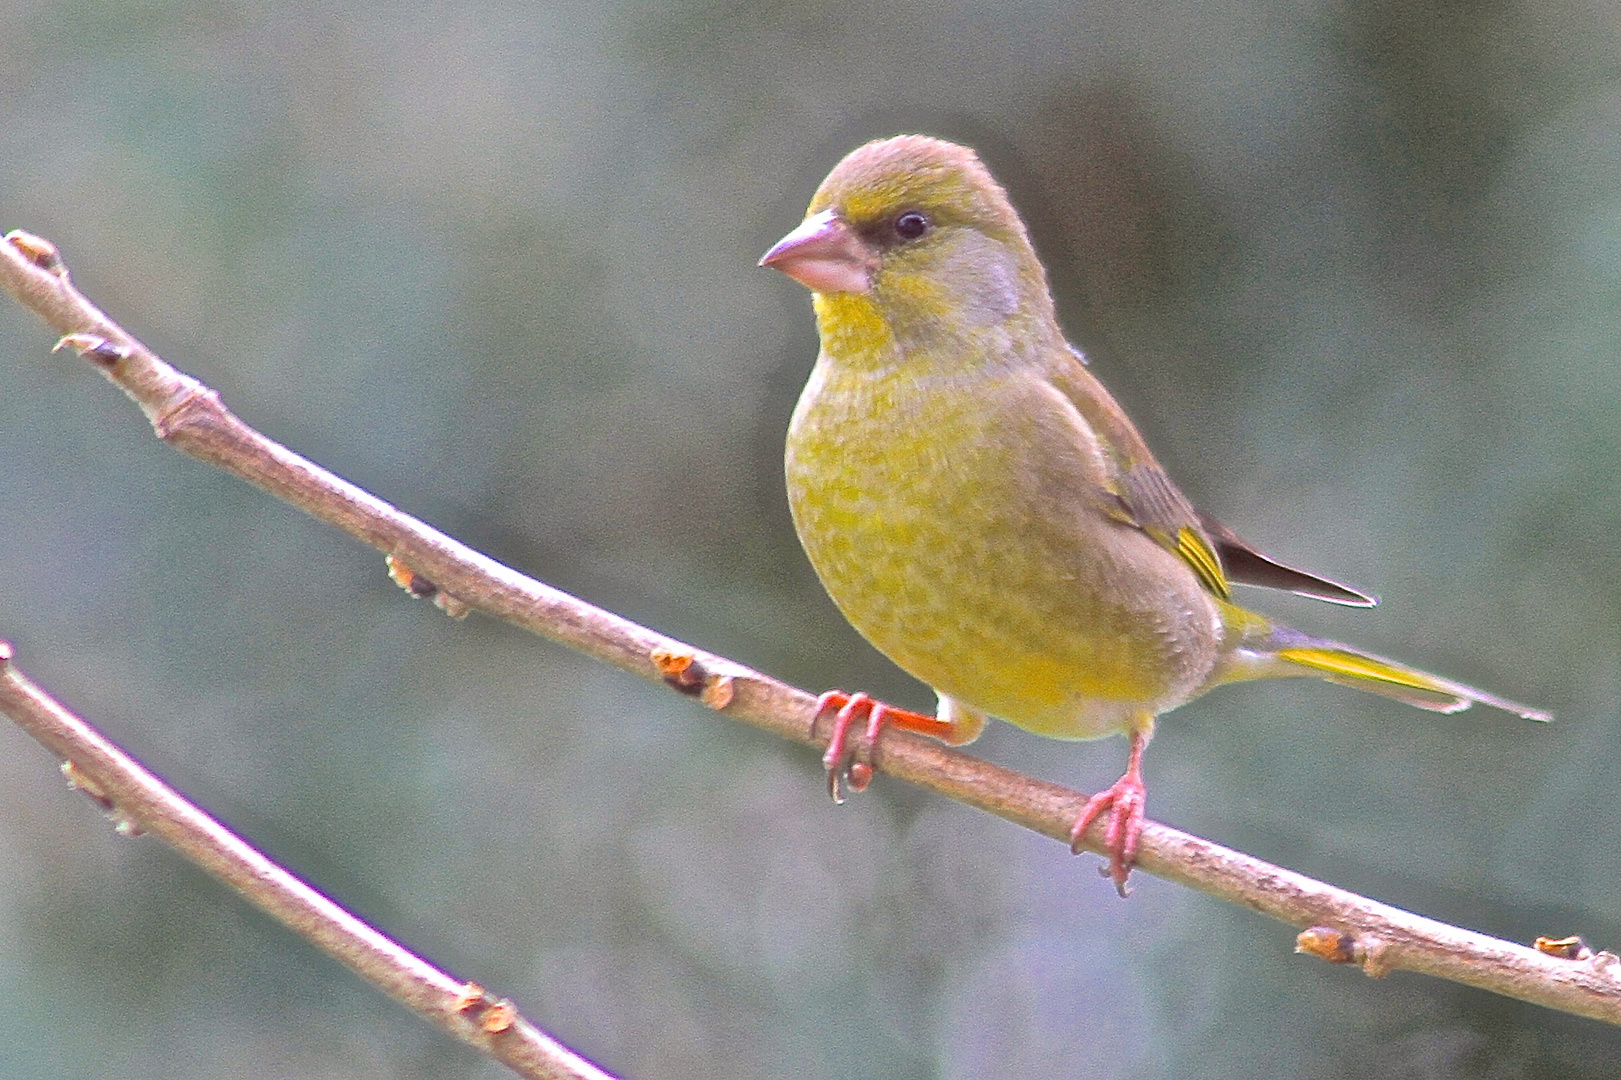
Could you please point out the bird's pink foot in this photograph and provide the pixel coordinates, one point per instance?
(842, 750)
(1124, 804)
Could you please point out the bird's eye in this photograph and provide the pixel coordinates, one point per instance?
(911, 225)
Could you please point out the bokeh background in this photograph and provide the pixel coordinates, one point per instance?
(1354, 267)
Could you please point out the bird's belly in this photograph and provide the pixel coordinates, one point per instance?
(1013, 598)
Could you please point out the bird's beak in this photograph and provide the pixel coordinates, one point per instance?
(825, 255)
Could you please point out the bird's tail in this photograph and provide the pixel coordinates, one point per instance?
(1274, 651)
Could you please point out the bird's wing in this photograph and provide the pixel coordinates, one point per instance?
(1140, 493)
(1145, 497)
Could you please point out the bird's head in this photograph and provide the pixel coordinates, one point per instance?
(915, 230)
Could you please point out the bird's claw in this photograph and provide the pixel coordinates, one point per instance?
(841, 756)
(1124, 802)
(849, 759)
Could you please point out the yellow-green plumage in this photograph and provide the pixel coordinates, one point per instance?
(957, 556)
(979, 506)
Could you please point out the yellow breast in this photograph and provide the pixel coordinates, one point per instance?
(954, 518)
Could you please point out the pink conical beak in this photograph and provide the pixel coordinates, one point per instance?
(825, 255)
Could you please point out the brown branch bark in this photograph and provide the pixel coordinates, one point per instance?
(1346, 927)
(143, 803)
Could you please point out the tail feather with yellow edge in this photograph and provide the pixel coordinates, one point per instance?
(1284, 652)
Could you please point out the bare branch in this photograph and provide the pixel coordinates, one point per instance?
(1344, 926)
(143, 803)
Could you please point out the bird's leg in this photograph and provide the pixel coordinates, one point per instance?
(1124, 801)
(848, 710)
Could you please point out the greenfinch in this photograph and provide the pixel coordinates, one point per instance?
(983, 511)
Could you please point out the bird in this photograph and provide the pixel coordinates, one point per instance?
(982, 510)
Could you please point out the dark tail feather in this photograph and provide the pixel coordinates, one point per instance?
(1246, 566)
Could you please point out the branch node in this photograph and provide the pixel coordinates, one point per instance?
(680, 670)
(1373, 953)
(39, 251)
(1339, 947)
(1574, 948)
(718, 692)
(421, 588)
(94, 348)
(1565, 948)
(79, 780)
(469, 995)
(1326, 943)
(684, 673)
(493, 1015)
(177, 412)
(501, 1016)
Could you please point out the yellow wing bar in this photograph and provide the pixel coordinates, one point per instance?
(1197, 553)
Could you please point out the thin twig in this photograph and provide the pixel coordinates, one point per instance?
(1344, 926)
(142, 803)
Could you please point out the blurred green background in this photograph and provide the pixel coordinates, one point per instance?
(1355, 268)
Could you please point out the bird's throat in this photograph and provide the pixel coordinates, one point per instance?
(854, 330)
